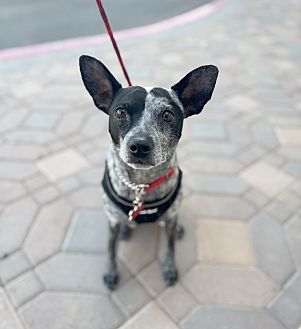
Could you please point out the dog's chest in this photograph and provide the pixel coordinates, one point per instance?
(140, 177)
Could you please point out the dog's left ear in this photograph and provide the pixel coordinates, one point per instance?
(99, 81)
(196, 88)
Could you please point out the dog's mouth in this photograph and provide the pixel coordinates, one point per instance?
(140, 164)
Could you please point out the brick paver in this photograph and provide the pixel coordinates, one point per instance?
(239, 262)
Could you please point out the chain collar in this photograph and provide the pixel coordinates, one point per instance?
(131, 185)
(139, 190)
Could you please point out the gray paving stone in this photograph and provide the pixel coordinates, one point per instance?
(294, 288)
(293, 233)
(202, 164)
(296, 188)
(8, 318)
(141, 249)
(36, 182)
(224, 242)
(46, 194)
(256, 198)
(152, 279)
(274, 159)
(208, 130)
(229, 207)
(70, 123)
(13, 265)
(51, 166)
(86, 197)
(177, 302)
(77, 272)
(291, 153)
(68, 184)
(283, 206)
(238, 130)
(212, 148)
(94, 126)
(210, 317)
(151, 316)
(48, 232)
(271, 249)
(229, 285)
(10, 190)
(24, 288)
(264, 134)
(14, 224)
(269, 180)
(287, 310)
(293, 169)
(56, 310)
(91, 176)
(13, 119)
(250, 154)
(228, 185)
(39, 137)
(42, 120)
(88, 232)
(130, 297)
(16, 170)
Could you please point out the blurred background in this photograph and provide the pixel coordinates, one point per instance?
(57, 20)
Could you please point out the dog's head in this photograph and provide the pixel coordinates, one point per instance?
(146, 123)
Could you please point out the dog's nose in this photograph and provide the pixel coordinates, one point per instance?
(141, 146)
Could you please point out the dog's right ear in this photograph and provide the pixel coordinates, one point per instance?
(99, 82)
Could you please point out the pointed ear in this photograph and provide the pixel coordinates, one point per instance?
(99, 82)
(196, 88)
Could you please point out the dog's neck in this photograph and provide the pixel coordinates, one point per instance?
(140, 176)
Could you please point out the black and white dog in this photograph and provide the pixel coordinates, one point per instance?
(142, 180)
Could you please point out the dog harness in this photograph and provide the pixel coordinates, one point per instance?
(138, 211)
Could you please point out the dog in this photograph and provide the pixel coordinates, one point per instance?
(142, 180)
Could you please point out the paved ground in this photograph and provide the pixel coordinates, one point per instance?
(240, 260)
(25, 23)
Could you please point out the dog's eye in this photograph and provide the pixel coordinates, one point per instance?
(168, 116)
(121, 112)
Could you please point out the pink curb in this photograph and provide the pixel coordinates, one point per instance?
(162, 26)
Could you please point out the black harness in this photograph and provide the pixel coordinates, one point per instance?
(152, 210)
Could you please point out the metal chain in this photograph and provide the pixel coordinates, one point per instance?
(133, 186)
(139, 190)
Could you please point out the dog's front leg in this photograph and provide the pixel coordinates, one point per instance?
(169, 268)
(111, 277)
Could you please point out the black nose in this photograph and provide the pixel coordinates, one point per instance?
(141, 146)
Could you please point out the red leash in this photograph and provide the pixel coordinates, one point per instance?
(110, 32)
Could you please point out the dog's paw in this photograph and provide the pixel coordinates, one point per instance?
(170, 275)
(180, 231)
(111, 279)
(125, 233)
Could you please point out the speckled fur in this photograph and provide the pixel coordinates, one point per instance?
(137, 113)
(164, 157)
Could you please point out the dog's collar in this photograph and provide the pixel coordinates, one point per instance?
(147, 187)
(141, 189)
(151, 211)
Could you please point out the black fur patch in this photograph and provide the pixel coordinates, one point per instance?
(133, 98)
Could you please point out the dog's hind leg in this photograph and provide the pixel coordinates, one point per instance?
(170, 273)
(111, 277)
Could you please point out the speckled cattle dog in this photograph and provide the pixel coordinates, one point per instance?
(142, 180)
